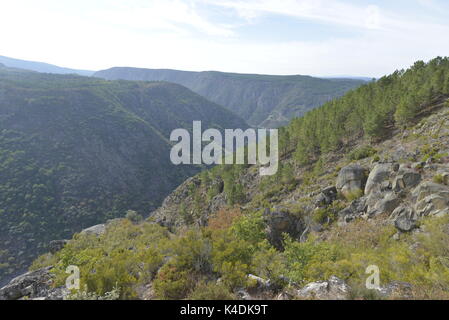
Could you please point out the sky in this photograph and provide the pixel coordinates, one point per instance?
(309, 37)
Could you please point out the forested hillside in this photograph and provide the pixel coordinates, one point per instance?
(262, 100)
(363, 181)
(371, 110)
(76, 151)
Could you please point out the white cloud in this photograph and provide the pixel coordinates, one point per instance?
(156, 15)
(177, 34)
(329, 11)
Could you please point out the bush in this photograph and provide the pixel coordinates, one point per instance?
(211, 291)
(125, 256)
(438, 179)
(231, 258)
(362, 153)
(250, 227)
(134, 217)
(224, 219)
(270, 264)
(173, 284)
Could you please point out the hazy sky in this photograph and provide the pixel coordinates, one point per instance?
(325, 38)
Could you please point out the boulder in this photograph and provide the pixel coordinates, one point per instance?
(281, 221)
(433, 205)
(326, 196)
(406, 179)
(397, 290)
(33, 285)
(404, 218)
(351, 180)
(356, 209)
(97, 230)
(380, 173)
(386, 205)
(333, 289)
(428, 188)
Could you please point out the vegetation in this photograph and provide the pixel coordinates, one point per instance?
(128, 256)
(362, 153)
(370, 111)
(262, 100)
(206, 262)
(77, 151)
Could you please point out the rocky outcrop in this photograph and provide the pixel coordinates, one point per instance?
(35, 285)
(426, 189)
(380, 174)
(333, 289)
(97, 230)
(386, 205)
(281, 221)
(406, 179)
(397, 290)
(356, 209)
(433, 205)
(351, 180)
(404, 218)
(432, 199)
(326, 197)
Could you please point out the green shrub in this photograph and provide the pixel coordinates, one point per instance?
(250, 227)
(362, 153)
(438, 179)
(211, 291)
(133, 216)
(173, 284)
(231, 258)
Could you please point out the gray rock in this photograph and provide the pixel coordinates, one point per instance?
(356, 209)
(408, 179)
(397, 289)
(396, 167)
(333, 289)
(428, 188)
(386, 205)
(377, 176)
(433, 205)
(326, 197)
(33, 285)
(97, 230)
(404, 218)
(351, 180)
(281, 221)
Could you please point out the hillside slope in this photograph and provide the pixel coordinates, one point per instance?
(76, 151)
(262, 100)
(370, 195)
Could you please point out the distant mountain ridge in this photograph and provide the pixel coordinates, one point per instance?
(262, 100)
(41, 67)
